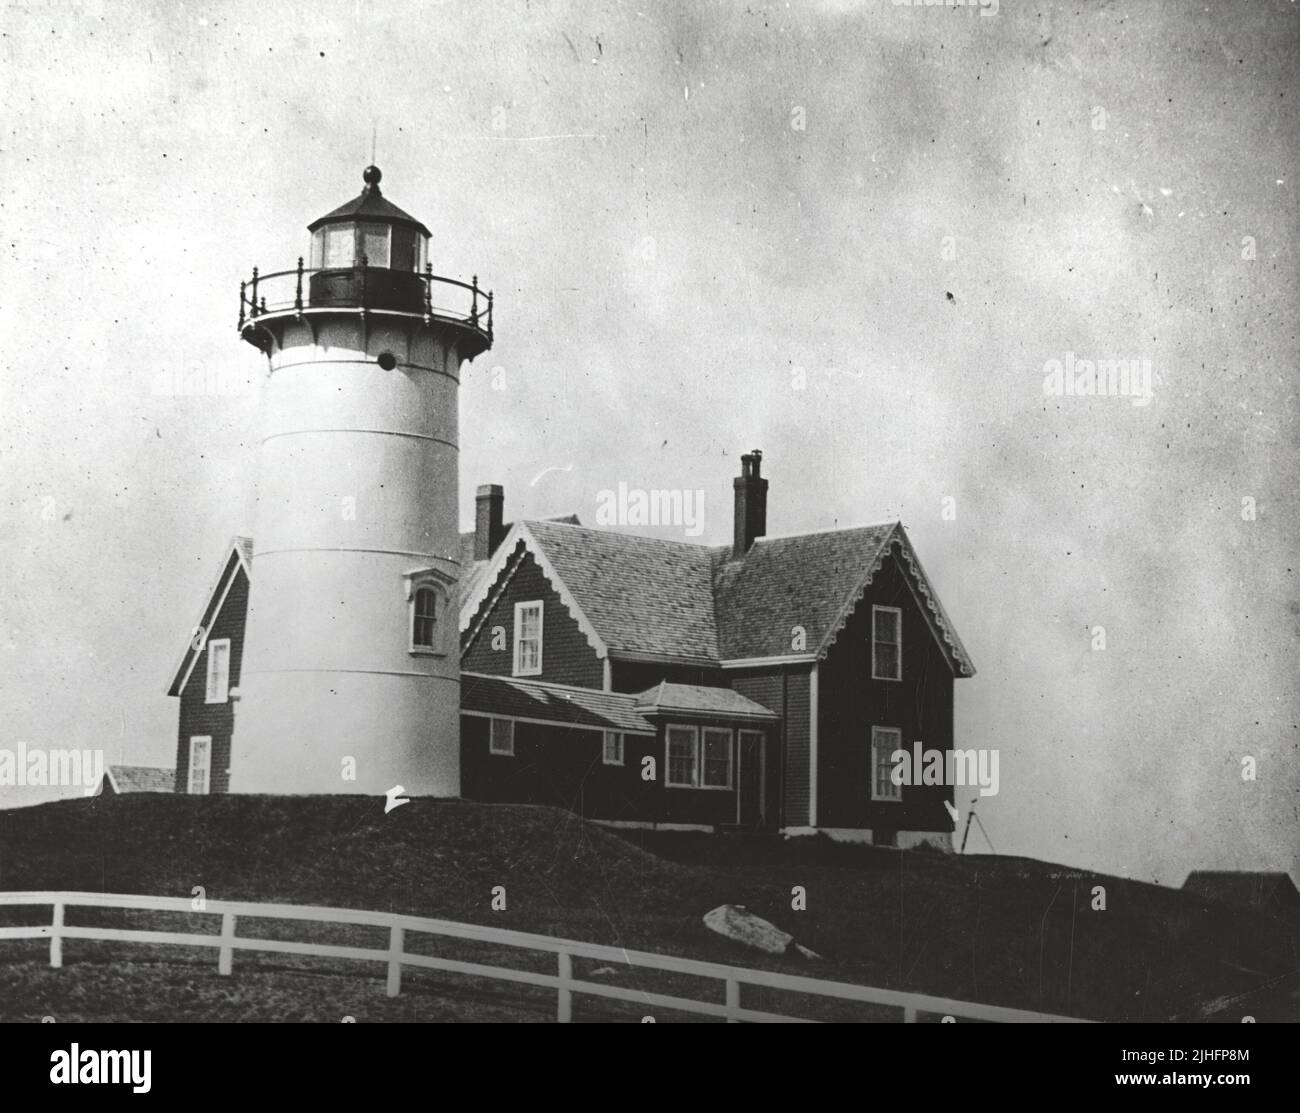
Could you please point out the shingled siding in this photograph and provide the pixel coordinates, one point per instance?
(562, 767)
(567, 656)
(216, 719)
(785, 691)
(851, 703)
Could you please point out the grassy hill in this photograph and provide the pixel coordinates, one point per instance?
(1006, 931)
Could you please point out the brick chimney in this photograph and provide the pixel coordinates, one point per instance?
(751, 503)
(489, 530)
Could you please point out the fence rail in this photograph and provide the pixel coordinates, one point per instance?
(395, 957)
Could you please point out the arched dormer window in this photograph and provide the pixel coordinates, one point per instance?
(431, 616)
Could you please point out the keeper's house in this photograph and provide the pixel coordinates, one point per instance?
(761, 685)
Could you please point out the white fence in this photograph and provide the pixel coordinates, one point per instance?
(395, 957)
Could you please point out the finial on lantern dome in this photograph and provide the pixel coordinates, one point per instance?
(371, 176)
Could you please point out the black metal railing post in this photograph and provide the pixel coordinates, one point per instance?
(241, 305)
(254, 302)
(297, 301)
(428, 289)
(489, 329)
(473, 312)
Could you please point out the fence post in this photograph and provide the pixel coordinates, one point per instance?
(395, 939)
(909, 1014)
(564, 1011)
(56, 936)
(226, 953)
(733, 1000)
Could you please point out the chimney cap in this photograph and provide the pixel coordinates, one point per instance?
(487, 490)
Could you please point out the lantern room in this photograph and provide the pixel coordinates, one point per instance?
(369, 231)
(367, 256)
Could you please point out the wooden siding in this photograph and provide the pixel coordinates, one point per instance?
(560, 766)
(198, 717)
(787, 692)
(567, 656)
(851, 703)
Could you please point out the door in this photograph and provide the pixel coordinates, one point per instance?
(200, 764)
(750, 809)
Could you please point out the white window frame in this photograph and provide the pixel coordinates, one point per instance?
(436, 648)
(207, 769)
(218, 687)
(520, 610)
(619, 743)
(695, 756)
(898, 627)
(894, 737)
(492, 736)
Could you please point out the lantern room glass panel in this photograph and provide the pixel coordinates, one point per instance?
(340, 245)
(403, 257)
(374, 244)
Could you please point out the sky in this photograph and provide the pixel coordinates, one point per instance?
(852, 234)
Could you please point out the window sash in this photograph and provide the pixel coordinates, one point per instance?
(426, 618)
(200, 764)
(681, 770)
(612, 752)
(501, 739)
(715, 753)
(528, 639)
(218, 685)
(886, 643)
(884, 741)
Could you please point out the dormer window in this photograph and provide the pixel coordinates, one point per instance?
(426, 595)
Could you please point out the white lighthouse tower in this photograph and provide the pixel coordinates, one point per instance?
(350, 681)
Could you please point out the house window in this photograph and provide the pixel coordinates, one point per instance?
(613, 752)
(884, 741)
(218, 671)
(502, 740)
(698, 757)
(681, 771)
(528, 638)
(886, 643)
(424, 618)
(716, 764)
(200, 764)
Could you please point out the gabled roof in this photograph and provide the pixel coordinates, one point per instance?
(239, 554)
(471, 570)
(515, 698)
(140, 778)
(632, 595)
(649, 598)
(815, 581)
(695, 699)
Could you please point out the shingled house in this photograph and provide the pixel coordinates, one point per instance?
(760, 685)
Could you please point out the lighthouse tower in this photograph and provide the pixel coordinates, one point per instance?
(350, 680)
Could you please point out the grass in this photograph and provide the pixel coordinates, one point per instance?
(1012, 932)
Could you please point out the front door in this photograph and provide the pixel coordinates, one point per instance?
(750, 797)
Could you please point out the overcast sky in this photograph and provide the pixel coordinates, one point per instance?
(679, 208)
